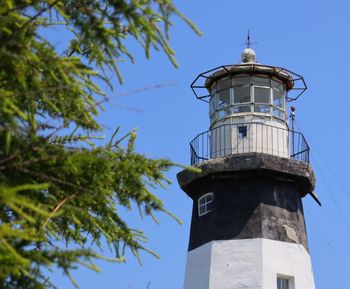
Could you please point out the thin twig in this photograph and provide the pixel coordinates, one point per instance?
(58, 206)
(52, 179)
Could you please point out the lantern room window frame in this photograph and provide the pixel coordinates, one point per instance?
(275, 105)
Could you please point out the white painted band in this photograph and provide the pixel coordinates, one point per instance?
(248, 264)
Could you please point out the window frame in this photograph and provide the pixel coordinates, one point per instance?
(221, 112)
(290, 280)
(205, 204)
(242, 131)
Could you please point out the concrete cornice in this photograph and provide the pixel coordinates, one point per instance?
(259, 163)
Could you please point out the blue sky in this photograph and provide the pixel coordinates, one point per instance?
(310, 38)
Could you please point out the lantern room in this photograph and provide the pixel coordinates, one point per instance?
(248, 109)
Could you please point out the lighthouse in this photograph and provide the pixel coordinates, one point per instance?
(248, 228)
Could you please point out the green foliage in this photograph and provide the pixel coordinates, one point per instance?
(56, 187)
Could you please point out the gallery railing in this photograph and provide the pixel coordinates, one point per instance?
(240, 138)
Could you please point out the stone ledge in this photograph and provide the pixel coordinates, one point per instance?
(253, 162)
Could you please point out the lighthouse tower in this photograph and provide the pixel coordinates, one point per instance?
(248, 229)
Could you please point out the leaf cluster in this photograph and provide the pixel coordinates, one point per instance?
(59, 192)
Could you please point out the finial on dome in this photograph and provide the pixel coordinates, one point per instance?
(248, 54)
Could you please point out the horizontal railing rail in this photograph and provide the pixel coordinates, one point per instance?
(251, 137)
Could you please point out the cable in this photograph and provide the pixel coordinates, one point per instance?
(329, 189)
(332, 195)
(333, 251)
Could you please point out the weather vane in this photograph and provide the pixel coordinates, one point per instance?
(248, 42)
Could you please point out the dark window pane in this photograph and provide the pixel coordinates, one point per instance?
(224, 98)
(209, 206)
(279, 283)
(202, 210)
(241, 94)
(282, 283)
(261, 95)
(242, 131)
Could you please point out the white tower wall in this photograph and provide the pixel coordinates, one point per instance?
(248, 264)
(262, 136)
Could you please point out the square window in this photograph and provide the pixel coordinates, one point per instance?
(242, 131)
(205, 204)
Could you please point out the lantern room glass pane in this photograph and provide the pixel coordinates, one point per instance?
(278, 113)
(277, 85)
(261, 81)
(278, 99)
(261, 95)
(242, 108)
(224, 98)
(262, 108)
(224, 84)
(241, 94)
(223, 112)
(241, 81)
(213, 105)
